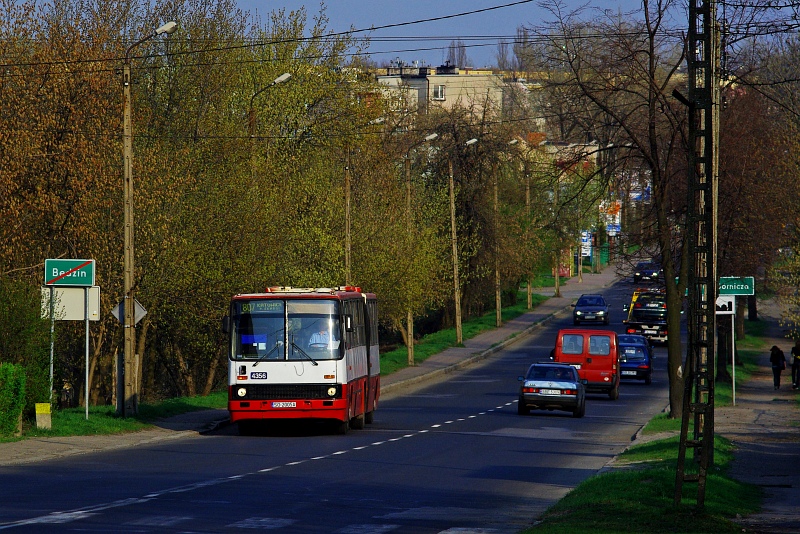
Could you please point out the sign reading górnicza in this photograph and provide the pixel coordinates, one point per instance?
(78, 273)
(736, 285)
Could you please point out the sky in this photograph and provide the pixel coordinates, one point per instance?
(427, 42)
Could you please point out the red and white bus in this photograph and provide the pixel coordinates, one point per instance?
(303, 353)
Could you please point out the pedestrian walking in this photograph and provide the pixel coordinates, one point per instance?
(796, 365)
(778, 361)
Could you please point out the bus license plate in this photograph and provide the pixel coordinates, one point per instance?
(284, 404)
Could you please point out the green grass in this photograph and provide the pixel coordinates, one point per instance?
(661, 423)
(755, 333)
(746, 365)
(639, 498)
(436, 342)
(104, 420)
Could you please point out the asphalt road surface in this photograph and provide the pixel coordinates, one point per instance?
(450, 457)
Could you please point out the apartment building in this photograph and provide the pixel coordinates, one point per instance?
(417, 89)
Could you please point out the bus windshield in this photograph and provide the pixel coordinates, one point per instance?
(314, 329)
(279, 330)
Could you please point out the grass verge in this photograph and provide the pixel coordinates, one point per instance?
(638, 496)
(436, 342)
(104, 419)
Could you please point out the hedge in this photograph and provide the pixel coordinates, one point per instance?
(12, 398)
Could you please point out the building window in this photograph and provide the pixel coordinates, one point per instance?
(438, 92)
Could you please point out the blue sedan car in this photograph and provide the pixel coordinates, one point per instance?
(636, 360)
(590, 309)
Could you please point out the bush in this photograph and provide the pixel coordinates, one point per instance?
(25, 337)
(12, 398)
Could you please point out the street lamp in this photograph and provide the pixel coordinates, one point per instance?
(251, 113)
(251, 119)
(454, 239)
(409, 225)
(127, 395)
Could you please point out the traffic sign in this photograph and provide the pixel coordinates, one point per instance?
(78, 273)
(737, 285)
(70, 303)
(726, 305)
(138, 312)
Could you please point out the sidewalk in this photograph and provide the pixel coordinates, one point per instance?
(765, 428)
(435, 367)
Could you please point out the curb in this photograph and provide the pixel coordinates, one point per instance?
(475, 357)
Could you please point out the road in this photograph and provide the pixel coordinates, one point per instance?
(450, 457)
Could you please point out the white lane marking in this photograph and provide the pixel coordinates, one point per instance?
(268, 523)
(367, 529)
(263, 523)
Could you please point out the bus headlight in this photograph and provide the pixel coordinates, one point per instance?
(242, 392)
(331, 392)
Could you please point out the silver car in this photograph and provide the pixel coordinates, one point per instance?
(552, 386)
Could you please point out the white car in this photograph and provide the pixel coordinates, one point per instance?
(552, 386)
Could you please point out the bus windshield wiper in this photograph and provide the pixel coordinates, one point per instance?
(264, 357)
(301, 351)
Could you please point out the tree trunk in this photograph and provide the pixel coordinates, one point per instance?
(189, 389)
(723, 350)
(752, 308)
(741, 304)
(212, 372)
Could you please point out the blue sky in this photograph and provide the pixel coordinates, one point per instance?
(427, 41)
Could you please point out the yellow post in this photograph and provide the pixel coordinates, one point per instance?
(43, 416)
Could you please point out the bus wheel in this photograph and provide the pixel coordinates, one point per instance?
(369, 417)
(357, 422)
(343, 427)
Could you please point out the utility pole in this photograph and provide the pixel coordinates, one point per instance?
(347, 238)
(128, 394)
(703, 104)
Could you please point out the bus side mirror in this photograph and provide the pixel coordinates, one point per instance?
(226, 324)
(348, 323)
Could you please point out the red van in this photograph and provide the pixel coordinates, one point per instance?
(594, 354)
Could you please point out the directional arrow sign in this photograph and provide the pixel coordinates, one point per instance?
(138, 312)
(69, 273)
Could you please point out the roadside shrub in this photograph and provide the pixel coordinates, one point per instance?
(12, 398)
(25, 337)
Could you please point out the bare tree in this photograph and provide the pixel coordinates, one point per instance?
(457, 54)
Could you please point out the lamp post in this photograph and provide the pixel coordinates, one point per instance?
(454, 239)
(410, 228)
(251, 119)
(127, 398)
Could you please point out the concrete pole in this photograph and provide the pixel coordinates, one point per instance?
(454, 239)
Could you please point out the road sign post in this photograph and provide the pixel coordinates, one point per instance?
(70, 273)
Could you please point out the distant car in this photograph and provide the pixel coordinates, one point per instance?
(590, 309)
(635, 339)
(646, 271)
(636, 362)
(647, 314)
(552, 386)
